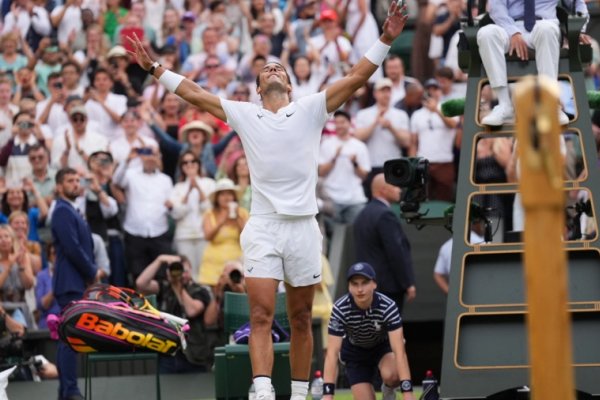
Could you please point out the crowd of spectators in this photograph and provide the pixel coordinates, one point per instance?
(160, 177)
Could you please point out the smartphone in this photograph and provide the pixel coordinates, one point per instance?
(144, 151)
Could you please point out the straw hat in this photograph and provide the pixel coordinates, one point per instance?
(223, 185)
(198, 126)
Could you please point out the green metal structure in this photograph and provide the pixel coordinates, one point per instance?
(485, 338)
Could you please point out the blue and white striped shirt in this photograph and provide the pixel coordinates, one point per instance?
(364, 328)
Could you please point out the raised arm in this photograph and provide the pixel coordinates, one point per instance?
(178, 84)
(340, 91)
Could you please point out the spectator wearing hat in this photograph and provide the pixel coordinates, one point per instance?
(380, 241)
(343, 165)
(131, 123)
(51, 111)
(104, 107)
(118, 65)
(365, 333)
(190, 200)
(383, 128)
(433, 137)
(222, 226)
(66, 19)
(330, 48)
(195, 137)
(78, 141)
(146, 222)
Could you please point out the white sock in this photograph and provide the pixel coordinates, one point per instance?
(299, 390)
(503, 95)
(262, 384)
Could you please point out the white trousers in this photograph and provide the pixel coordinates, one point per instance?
(193, 249)
(494, 43)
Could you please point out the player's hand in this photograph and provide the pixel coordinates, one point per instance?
(411, 293)
(518, 46)
(139, 52)
(394, 23)
(408, 396)
(585, 39)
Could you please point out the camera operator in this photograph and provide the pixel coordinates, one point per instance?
(11, 332)
(230, 280)
(179, 295)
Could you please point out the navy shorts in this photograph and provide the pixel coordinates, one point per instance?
(361, 363)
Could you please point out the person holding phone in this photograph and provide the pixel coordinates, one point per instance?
(13, 156)
(281, 241)
(146, 222)
(222, 226)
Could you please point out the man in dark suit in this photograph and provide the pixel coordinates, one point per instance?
(75, 268)
(380, 241)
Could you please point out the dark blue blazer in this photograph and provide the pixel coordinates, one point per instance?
(380, 241)
(75, 265)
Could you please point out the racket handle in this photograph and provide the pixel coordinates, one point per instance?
(174, 318)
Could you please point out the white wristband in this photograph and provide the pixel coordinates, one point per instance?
(171, 80)
(377, 53)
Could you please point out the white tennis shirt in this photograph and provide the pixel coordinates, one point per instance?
(282, 150)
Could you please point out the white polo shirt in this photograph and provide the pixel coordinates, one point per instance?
(282, 150)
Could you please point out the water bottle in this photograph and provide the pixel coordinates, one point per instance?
(430, 387)
(316, 387)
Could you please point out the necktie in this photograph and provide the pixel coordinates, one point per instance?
(529, 16)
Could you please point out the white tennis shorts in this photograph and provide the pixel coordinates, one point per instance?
(283, 248)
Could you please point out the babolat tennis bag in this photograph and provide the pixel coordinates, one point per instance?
(109, 319)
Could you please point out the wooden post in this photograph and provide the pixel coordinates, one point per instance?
(541, 187)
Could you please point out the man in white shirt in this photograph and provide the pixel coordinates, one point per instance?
(51, 111)
(393, 68)
(343, 164)
(104, 107)
(121, 147)
(383, 128)
(67, 20)
(73, 147)
(281, 241)
(23, 15)
(146, 222)
(433, 138)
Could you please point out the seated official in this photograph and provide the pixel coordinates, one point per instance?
(179, 295)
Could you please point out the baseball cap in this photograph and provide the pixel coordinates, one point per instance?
(188, 16)
(432, 82)
(78, 110)
(383, 83)
(362, 269)
(329, 14)
(117, 51)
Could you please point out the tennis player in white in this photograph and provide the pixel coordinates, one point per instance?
(281, 240)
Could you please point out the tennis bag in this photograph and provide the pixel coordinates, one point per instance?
(111, 324)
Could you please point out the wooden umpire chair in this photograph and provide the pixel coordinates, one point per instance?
(233, 372)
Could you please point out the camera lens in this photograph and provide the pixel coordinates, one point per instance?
(25, 125)
(235, 276)
(57, 85)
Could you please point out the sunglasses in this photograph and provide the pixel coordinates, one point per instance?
(78, 118)
(186, 162)
(210, 66)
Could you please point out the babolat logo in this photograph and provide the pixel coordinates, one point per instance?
(91, 322)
